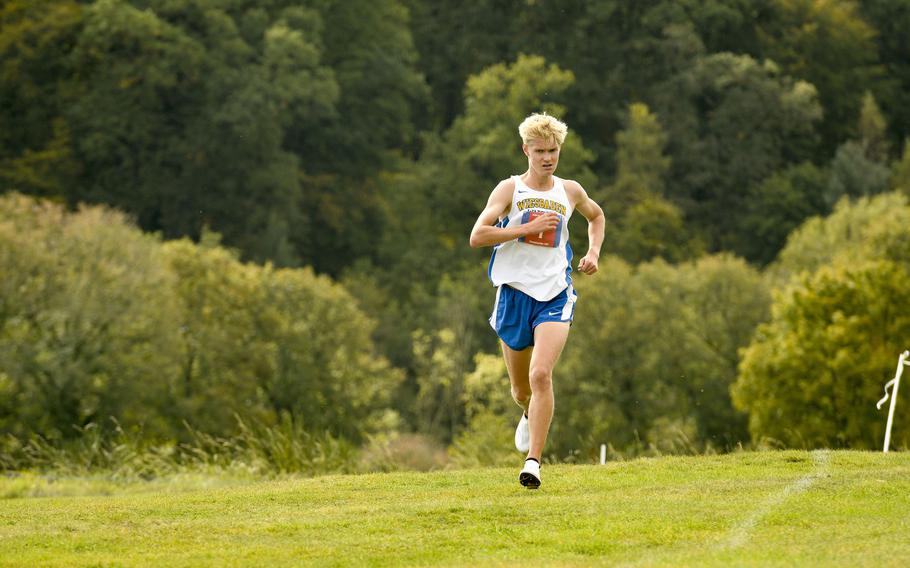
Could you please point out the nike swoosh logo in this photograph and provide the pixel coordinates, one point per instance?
(554, 313)
(521, 191)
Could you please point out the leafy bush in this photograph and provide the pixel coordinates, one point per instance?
(98, 319)
(813, 374)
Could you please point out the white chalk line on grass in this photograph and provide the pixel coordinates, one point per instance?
(740, 533)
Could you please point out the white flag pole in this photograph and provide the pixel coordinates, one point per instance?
(896, 382)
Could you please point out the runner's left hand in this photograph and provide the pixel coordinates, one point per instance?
(588, 264)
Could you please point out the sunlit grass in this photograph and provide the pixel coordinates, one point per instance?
(770, 508)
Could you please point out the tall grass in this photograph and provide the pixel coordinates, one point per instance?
(257, 449)
(284, 448)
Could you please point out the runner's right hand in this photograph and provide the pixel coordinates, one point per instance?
(542, 224)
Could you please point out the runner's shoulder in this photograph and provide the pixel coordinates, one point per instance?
(505, 188)
(508, 183)
(574, 189)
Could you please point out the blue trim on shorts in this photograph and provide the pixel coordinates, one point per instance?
(516, 314)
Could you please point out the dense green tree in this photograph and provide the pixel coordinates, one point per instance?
(86, 321)
(179, 120)
(853, 174)
(261, 342)
(222, 362)
(641, 165)
(305, 133)
(485, 138)
(35, 149)
(746, 121)
(873, 130)
(441, 368)
(439, 317)
(814, 373)
(829, 45)
(860, 165)
(456, 40)
(99, 320)
(652, 228)
(367, 47)
(620, 52)
(324, 367)
(900, 172)
(652, 354)
(265, 122)
(452, 327)
(778, 205)
(869, 227)
(891, 20)
(642, 223)
(664, 53)
(729, 25)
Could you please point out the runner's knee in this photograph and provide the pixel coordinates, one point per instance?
(521, 395)
(541, 379)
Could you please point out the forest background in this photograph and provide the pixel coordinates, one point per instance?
(248, 220)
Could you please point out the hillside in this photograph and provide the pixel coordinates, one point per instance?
(773, 508)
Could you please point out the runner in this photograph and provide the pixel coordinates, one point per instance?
(526, 220)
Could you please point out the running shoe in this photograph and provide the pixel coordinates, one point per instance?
(530, 474)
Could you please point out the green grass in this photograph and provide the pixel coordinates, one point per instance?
(769, 508)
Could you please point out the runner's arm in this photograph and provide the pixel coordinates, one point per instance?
(596, 223)
(485, 234)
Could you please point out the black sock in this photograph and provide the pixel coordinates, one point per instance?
(534, 459)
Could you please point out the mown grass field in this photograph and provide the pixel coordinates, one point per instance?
(824, 508)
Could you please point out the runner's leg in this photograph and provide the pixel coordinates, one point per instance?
(518, 364)
(549, 339)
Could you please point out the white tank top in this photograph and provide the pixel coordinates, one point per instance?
(537, 264)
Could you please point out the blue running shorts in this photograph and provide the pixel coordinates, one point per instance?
(515, 314)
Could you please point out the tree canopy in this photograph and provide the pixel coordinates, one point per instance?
(213, 209)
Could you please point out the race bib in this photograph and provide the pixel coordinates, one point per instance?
(544, 239)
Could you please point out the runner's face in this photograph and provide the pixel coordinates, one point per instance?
(542, 156)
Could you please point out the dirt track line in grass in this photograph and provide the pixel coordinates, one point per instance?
(739, 534)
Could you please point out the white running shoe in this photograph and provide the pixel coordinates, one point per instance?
(530, 474)
(523, 435)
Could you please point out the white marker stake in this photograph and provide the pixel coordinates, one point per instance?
(896, 382)
(603, 454)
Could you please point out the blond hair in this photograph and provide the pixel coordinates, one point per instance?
(542, 126)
